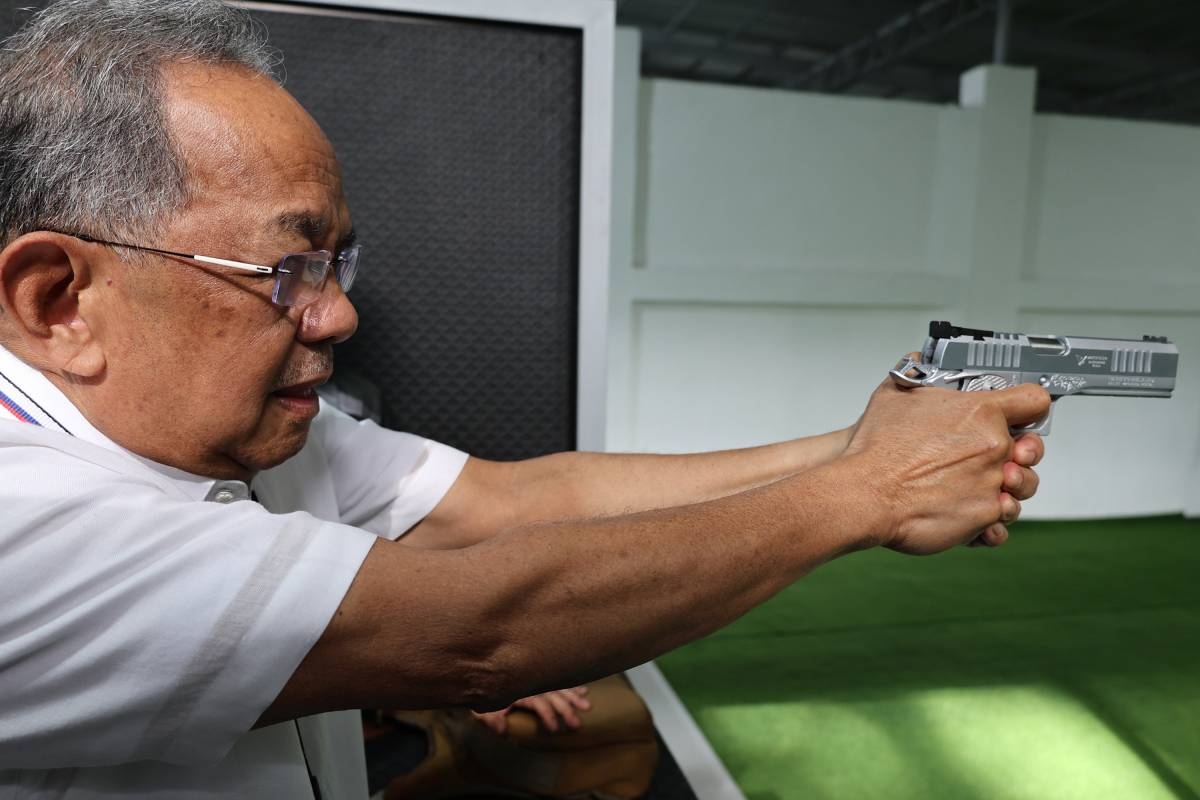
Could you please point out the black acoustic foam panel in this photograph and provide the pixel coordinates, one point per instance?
(460, 144)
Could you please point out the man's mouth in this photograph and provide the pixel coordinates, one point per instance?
(303, 388)
(300, 397)
(298, 392)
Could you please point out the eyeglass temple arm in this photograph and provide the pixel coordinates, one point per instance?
(224, 262)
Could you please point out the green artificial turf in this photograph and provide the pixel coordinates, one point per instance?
(1065, 664)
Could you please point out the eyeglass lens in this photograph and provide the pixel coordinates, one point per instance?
(346, 267)
(301, 276)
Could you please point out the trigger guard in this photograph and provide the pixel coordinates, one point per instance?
(1041, 427)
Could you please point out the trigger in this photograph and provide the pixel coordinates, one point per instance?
(1041, 427)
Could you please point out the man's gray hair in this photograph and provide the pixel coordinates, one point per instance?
(84, 146)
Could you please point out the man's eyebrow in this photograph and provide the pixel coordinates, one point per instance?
(304, 224)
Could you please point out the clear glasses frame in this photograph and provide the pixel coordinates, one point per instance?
(299, 277)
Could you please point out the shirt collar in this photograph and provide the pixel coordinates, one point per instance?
(28, 397)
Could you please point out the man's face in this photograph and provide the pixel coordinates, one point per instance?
(203, 372)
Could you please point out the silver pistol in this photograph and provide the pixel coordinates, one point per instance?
(973, 360)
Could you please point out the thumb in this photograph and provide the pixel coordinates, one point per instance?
(1023, 404)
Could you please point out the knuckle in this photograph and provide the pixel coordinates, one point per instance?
(984, 413)
(1020, 481)
(1029, 484)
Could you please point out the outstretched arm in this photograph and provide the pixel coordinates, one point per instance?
(491, 496)
(542, 606)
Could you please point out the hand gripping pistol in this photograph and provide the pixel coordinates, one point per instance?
(973, 360)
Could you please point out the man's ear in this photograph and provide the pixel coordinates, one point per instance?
(43, 276)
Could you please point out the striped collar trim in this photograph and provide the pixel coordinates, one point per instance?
(28, 397)
(10, 405)
(19, 404)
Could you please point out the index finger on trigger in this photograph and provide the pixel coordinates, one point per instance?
(1024, 404)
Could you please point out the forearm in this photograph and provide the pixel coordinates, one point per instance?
(669, 576)
(568, 485)
(491, 497)
(556, 604)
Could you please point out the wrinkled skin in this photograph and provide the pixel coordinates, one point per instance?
(970, 476)
(183, 363)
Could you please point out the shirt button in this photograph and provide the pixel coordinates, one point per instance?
(224, 496)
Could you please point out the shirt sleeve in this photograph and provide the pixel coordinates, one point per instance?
(385, 481)
(136, 625)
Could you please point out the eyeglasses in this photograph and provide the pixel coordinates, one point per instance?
(299, 277)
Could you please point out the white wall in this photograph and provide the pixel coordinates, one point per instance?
(775, 252)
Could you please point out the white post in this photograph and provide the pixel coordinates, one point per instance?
(998, 191)
(626, 87)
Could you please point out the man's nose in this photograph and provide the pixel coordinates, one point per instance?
(331, 317)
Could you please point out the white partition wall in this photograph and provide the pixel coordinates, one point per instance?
(1113, 243)
(774, 253)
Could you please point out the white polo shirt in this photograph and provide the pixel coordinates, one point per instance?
(143, 631)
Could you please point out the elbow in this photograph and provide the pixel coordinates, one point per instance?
(500, 656)
(496, 675)
(498, 637)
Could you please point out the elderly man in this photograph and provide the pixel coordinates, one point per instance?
(176, 251)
